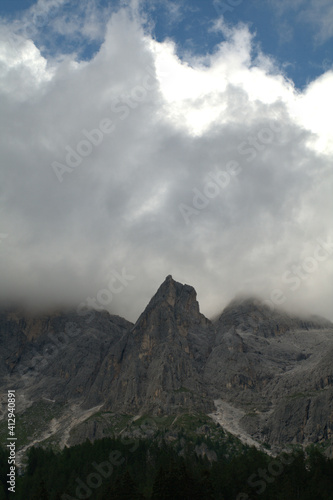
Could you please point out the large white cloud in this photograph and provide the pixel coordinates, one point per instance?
(167, 128)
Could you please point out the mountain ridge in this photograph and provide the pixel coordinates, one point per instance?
(264, 367)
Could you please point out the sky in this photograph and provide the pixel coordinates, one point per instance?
(146, 138)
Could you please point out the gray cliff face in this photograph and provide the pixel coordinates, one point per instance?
(277, 368)
(270, 373)
(164, 355)
(58, 355)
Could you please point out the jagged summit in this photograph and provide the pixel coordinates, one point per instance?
(164, 353)
(169, 288)
(172, 300)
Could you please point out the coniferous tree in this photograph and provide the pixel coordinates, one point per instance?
(40, 493)
(124, 489)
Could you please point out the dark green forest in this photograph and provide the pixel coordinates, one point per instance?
(136, 470)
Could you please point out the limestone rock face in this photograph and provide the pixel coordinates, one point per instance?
(277, 368)
(165, 354)
(56, 355)
(271, 372)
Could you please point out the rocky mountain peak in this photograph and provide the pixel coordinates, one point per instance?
(164, 354)
(169, 291)
(172, 301)
(251, 314)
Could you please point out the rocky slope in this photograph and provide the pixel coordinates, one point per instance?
(276, 368)
(266, 375)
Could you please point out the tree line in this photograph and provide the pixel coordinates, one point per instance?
(148, 470)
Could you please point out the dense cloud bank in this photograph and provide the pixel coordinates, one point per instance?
(138, 164)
